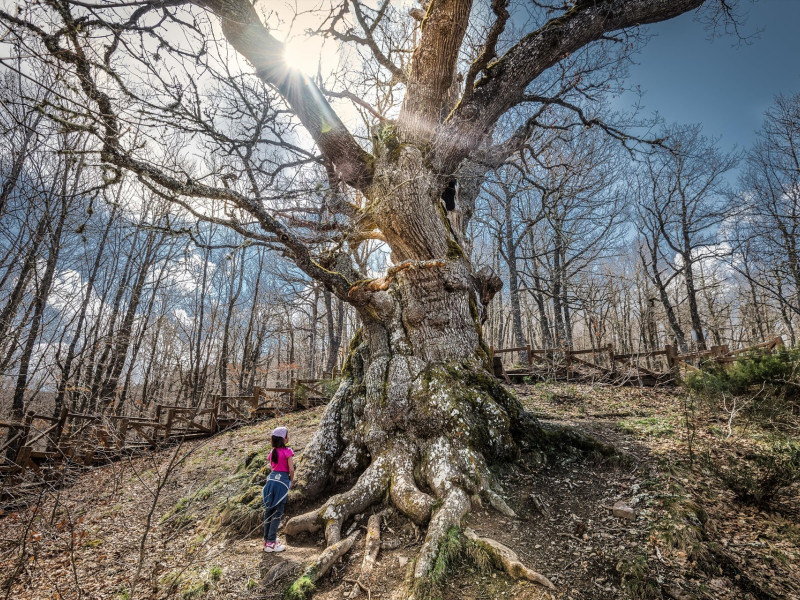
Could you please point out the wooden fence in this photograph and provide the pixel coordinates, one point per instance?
(605, 362)
(42, 441)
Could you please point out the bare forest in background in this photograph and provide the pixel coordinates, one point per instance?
(113, 300)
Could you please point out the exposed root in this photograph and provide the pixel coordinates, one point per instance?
(497, 503)
(314, 465)
(304, 585)
(428, 426)
(453, 509)
(405, 494)
(371, 549)
(508, 559)
(561, 438)
(369, 489)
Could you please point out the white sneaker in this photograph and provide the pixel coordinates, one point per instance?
(274, 547)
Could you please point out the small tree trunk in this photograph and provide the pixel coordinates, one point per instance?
(334, 329)
(691, 294)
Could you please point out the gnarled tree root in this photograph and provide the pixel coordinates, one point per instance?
(508, 559)
(371, 549)
(304, 585)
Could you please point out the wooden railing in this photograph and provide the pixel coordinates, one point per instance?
(41, 441)
(608, 362)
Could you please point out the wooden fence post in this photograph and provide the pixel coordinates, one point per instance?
(122, 434)
(167, 425)
(529, 350)
(23, 450)
(612, 364)
(672, 362)
(214, 419)
(568, 358)
(56, 437)
(23, 459)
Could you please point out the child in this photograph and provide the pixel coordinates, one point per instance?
(276, 490)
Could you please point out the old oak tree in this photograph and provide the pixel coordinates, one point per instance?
(417, 416)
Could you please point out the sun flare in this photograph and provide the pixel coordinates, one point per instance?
(305, 53)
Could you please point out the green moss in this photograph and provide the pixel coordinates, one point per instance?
(454, 250)
(355, 342)
(647, 426)
(205, 493)
(455, 553)
(386, 136)
(195, 590)
(176, 510)
(301, 589)
(450, 554)
(171, 580)
(241, 514)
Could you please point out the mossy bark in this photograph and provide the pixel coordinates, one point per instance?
(417, 417)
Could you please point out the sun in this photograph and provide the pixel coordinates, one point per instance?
(305, 53)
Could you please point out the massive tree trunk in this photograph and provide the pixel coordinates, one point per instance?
(417, 408)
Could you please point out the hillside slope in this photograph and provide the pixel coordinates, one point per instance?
(184, 522)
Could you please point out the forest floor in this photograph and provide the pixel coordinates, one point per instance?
(184, 522)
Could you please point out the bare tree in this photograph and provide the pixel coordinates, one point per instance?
(768, 233)
(683, 200)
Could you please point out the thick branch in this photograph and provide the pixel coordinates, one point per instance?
(489, 50)
(245, 32)
(504, 82)
(433, 68)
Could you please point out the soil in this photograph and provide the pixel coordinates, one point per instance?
(690, 538)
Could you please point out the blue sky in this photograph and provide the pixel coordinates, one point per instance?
(724, 85)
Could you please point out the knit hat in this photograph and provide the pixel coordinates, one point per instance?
(280, 432)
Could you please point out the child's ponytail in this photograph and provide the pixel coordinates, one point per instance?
(277, 442)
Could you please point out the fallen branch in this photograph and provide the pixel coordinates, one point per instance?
(371, 549)
(508, 559)
(303, 586)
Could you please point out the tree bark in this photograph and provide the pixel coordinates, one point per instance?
(513, 281)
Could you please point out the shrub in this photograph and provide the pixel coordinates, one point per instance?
(770, 381)
(329, 386)
(758, 479)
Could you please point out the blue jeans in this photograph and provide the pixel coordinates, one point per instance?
(275, 493)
